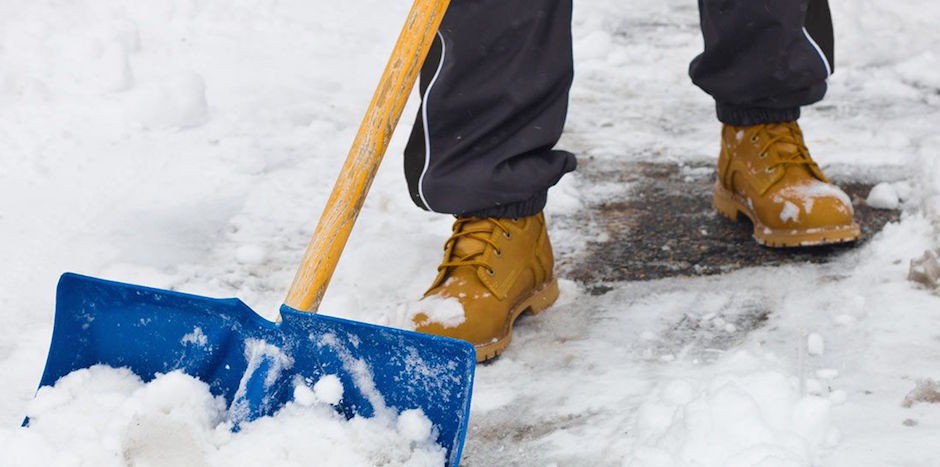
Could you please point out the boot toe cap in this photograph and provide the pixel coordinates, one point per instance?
(813, 206)
(475, 326)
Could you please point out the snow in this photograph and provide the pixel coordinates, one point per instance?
(414, 425)
(763, 410)
(305, 396)
(329, 389)
(790, 212)
(176, 103)
(815, 345)
(191, 145)
(250, 254)
(446, 311)
(105, 416)
(197, 337)
(807, 194)
(883, 196)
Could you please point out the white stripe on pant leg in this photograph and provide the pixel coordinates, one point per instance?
(424, 119)
(819, 51)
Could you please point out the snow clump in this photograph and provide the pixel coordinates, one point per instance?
(883, 196)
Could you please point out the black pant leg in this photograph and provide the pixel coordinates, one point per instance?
(494, 97)
(764, 59)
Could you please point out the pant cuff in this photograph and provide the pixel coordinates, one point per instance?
(747, 116)
(529, 207)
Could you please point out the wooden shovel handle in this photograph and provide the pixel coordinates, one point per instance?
(313, 276)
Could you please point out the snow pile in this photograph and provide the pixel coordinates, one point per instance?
(746, 415)
(105, 416)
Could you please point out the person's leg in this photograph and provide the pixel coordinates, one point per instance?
(494, 97)
(763, 60)
(494, 93)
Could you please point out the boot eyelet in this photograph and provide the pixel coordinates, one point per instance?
(507, 235)
(769, 170)
(754, 139)
(763, 155)
(498, 253)
(490, 272)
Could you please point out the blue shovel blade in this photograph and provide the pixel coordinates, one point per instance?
(254, 363)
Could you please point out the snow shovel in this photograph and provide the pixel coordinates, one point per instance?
(255, 364)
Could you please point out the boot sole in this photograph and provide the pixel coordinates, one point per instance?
(731, 206)
(536, 303)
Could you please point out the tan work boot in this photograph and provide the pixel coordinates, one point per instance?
(765, 172)
(496, 269)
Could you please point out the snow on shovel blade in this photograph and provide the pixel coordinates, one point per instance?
(255, 363)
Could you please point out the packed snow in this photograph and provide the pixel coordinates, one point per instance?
(190, 145)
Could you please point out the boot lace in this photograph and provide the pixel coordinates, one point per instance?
(482, 234)
(785, 134)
